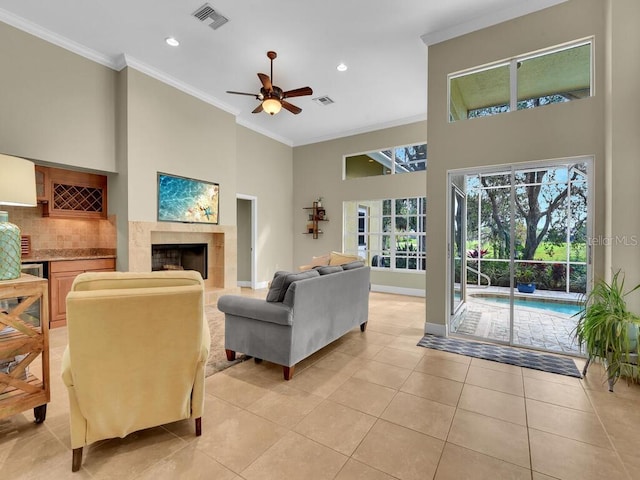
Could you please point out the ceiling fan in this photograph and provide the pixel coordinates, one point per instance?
(271, 97)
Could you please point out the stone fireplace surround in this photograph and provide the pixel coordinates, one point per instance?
(221, 243)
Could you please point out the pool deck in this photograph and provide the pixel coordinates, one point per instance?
(532, 327)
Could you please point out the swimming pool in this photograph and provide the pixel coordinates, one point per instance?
(567, 308)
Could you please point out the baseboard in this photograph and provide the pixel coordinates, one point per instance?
(437, 329)
(412, 292)
(259, 285)
(242, 283)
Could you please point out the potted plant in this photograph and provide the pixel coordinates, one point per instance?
(525, 279)
(608, 330)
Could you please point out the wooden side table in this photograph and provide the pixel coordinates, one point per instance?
(24, 337)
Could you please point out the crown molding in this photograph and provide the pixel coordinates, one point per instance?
(51, 37)
(262, 131)
(131, 62)
(523, 8)
(366, 129)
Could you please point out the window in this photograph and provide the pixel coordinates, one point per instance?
(394, 237)
(406, 159)
(556, 75)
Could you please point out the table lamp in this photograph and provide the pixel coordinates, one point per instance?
(17, 188)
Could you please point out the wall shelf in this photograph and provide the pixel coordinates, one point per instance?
(317, 214)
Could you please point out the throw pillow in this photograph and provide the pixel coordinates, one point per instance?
(293, 277)
(352, 265)
(338, 258)
(276, 292)
(321, 260)
(328, 269)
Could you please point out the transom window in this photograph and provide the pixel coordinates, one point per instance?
(405, 159)
(388, 233)
(555, 75)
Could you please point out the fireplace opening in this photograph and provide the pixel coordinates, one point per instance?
(180, 256)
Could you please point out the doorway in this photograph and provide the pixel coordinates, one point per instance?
(520, 259)
(246, 222)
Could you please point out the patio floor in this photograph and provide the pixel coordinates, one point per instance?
(532, 327)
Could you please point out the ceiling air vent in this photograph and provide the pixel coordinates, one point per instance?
(323, 100)
(206, 13)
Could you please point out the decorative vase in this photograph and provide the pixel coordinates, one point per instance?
(10, 252)
(526, 287)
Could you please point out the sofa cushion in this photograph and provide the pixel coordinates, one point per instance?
(352, 265)
(294, 277)
(276, 291)
(338, 258)
(328, 269)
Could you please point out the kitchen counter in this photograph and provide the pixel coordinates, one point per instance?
(54, 255)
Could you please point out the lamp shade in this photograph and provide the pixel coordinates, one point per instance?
(17, 182)
(271, 106)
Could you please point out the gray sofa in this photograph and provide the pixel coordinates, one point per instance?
(305, 312)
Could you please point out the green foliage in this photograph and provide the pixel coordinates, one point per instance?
(606, 327)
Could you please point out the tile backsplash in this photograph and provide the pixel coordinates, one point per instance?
(62, 233)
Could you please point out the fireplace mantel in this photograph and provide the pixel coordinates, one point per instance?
(222, 250)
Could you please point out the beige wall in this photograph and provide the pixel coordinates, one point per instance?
(623, 134)
(551, 132)
(317, 171)
(265, 172)
(56, 106)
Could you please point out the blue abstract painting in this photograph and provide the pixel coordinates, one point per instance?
(182, 199)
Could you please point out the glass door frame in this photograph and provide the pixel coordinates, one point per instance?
(512, 169)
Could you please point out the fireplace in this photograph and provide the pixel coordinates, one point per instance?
(180, 256)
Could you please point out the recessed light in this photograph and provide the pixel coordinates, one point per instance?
(342, 67)
(172, 41)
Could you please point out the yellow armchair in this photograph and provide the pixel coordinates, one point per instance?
(138, 345)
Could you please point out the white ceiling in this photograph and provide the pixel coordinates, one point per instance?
(381, 41)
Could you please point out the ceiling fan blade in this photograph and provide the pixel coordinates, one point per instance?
(258, 109)
(266, 81)
(298, 92)
(243, 93)
(292, 108)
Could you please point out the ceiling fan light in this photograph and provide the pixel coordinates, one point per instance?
(271, 105)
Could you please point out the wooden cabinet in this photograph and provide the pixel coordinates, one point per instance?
(61, 277)
(23, 340)
(70, 194)
(43, 185)
(316, 214)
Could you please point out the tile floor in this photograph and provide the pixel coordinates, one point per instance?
(369, 406)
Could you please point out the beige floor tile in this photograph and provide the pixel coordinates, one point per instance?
(285, 405)
(495, 380)
(541, 476)
(295, 456)
(359, 348)
(567, 422)
(453, 357)
(364, 396)
(496, 438)
(420, 414)
(433, 388)
(378, 338)
(551, 377)
(443, 368)
(386, 328)
(128, 457)
(557, 393)
(340, 362)
(233, 390)
(459, 463)
(409, 343)
(500, 367)
(235, 437)
(565, 458)
(399, 358)
(189, 463)
(318, 381)
(503, 406)
(400, 452)
(34, 455)
(354, 470)
(383, 374)
(336, 426)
